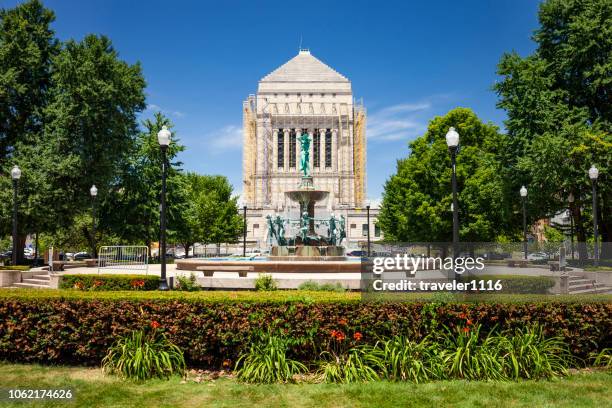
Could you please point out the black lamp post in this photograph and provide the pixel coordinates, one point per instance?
(15, 175)
(244, 230)
(93, 191)
(452, 141)
(523, 192)
(163, 137)
(570, 199)
(368, 221)
(593, 174)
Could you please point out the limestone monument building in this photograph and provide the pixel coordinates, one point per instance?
(304, 94)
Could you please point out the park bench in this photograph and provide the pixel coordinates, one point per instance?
(522, 263)
(209, 270)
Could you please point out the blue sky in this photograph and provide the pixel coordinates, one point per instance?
(409, 61)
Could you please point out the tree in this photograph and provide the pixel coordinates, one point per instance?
(212, 212)
(417, 199)
(129, 208)
(559, 109)
(27, 46)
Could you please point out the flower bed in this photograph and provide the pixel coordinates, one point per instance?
(109, 282)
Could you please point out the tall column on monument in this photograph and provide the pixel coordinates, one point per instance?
(298, 133)
(334, 163)
(286, 147)
(322, 149)
(275, 150)
(311, 151)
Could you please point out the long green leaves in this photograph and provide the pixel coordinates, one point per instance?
(141, 356)
(266, 362)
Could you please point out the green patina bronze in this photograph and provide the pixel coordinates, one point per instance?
(305, 154)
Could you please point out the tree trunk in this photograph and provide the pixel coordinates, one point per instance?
(21, 239)
(186, 245)
(605, 226)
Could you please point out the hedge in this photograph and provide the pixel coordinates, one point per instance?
(520, 284)
(14, 268)
(73, 327)
(109, 282)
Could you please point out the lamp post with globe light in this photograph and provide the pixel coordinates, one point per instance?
(93, 192)
(593, 175)
(163, 137)
(523, 193)
(452, 141)
(15, 175)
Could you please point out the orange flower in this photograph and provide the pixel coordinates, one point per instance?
(155, 324)
(462, 315)
(466, 330)
(340, 336)
(227, 362)
(357, 336)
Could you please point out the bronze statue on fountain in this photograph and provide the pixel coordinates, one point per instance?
(307, 244)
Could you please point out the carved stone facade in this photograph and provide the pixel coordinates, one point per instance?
(304, 94)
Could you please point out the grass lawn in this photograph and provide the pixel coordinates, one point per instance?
(93, 389)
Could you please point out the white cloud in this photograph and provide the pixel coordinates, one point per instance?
(397, 122)
(227, 138)
(156, 108)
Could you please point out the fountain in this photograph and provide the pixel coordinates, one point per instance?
(306, 244)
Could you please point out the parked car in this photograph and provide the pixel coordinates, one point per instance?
(80, 256)
(537, 256)
(357, 253)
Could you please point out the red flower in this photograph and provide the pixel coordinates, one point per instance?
(340, 336)
(79, 285)
(462, 315)
(137, 283)
(98, 283)
(155, 324)
(469, 322)
(342, 322)
(357, 336)
(466, 330)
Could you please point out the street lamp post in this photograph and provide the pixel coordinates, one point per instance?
(593, 174)
(570, 199)
(15, 175)
(452, 141)
(523, 193)
(368, 221)
(93, 191)
(163, 137)
(244, 230)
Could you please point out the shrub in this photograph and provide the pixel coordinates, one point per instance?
(356, 365)
(187, 284)
(144, 354)
(402, 359)
(109, 282)
(529, 354)
(265, 282)
(266, 362)
(603, 358)
(78, 327)
(14, 268)
(520, 284)
(325, 287)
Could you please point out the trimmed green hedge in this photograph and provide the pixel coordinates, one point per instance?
(109, 282)
(73, 327)
(14, 268)
(520, 284)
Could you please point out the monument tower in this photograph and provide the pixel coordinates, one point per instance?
(304, 95)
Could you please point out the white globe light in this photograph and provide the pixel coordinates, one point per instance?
(523, 191)
(16, 173)
(452, 137)
(93, 191)
(593, 173)
(163, 136)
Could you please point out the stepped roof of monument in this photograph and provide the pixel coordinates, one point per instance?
(304, 67)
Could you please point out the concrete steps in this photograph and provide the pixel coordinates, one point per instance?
(583, 286)
(35, 282)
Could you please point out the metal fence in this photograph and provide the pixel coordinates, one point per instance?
(123, 258)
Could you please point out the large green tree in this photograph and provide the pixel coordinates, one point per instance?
(130, 206)
(559, 106)
(416, 204)
(211, 213)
